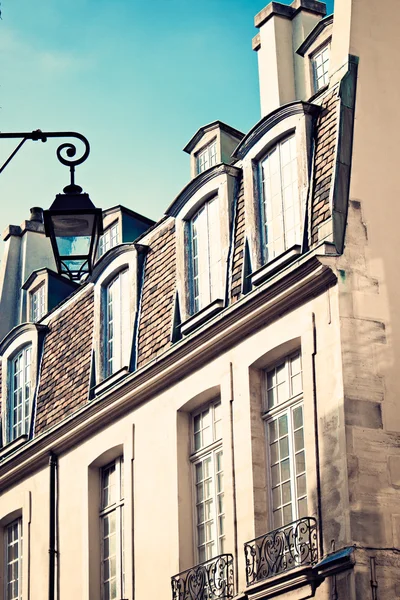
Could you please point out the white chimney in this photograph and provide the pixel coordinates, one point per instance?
(282, 29)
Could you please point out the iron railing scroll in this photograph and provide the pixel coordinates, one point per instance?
(211, 580)
(291, 546)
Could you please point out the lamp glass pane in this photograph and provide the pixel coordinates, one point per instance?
(74, 245)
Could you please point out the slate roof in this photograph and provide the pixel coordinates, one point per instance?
(324, 163)
(68, 347)
(65, 369)
(157, 301)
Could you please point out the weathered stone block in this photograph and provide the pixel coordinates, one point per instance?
(361, 413)
(394, 471)
(367, 527)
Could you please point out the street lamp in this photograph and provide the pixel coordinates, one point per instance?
(72, 222)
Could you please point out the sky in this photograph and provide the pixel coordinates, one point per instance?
(136, 77)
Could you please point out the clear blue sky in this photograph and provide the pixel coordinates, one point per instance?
(137, 77)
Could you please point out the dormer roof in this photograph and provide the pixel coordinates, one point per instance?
(209, 127)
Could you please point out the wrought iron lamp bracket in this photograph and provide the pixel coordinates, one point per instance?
(68, 147)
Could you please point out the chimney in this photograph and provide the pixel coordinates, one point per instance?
(282, 30)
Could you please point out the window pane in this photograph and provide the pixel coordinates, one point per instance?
(283, 425)
(298, 440)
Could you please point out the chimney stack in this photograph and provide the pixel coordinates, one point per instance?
(282, 29)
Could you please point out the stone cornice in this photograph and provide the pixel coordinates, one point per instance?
(284, 292)
(270, 121)
(197, 183)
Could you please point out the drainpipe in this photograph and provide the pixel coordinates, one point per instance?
(234, 484)
(52, 525)
(316, 436)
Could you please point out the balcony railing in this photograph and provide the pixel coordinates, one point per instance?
(278, 551)
(211, 580)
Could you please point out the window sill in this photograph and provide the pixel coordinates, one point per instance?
(202, 316)
(14, 445)
(110, 381)
(274, 265)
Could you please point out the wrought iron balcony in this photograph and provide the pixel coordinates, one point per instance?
(211, 580)
(291, 546)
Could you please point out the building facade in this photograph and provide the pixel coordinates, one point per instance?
(214, 413)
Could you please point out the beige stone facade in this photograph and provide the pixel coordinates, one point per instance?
(214, 412)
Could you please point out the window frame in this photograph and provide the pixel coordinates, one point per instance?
(274, 413)
(326, 45)
(26, 403)
(210, 291)
(19, 560)
(120, 338)
(116, 507)
(41, 303)
(209, 151)
(263, 237)
(199, 456)
(107, 238)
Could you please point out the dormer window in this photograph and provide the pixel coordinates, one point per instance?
(280, 205)
(109, 239)
(37, 303)
(205, 254)
(207, 157)
(320, 67)
(21, 394)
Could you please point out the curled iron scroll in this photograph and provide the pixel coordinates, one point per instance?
(43, 136)
(70, 151)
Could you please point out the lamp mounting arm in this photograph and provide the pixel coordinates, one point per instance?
(68, 147)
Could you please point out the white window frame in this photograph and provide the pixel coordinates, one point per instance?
(273, 244)
(207, 157)
(205, 255)
(320, 81)
(208, 453)
(37, 303)
(291, 401)
(16, 523)
(116, 322)
(115, 508)
(109, 239)
(20, 425)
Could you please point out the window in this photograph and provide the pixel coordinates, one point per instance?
(13, 560)
(280, 205)
(21, 391)
(37, 304)
(112, 528)
(206, 158)
(117, 322)
(207, 461)
(320, 67)
(109, 239)
(205, 255)
(285, 440)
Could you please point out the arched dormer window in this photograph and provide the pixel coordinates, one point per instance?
(203, 213)
(20, 353)
(276, 160)
(116, 280)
